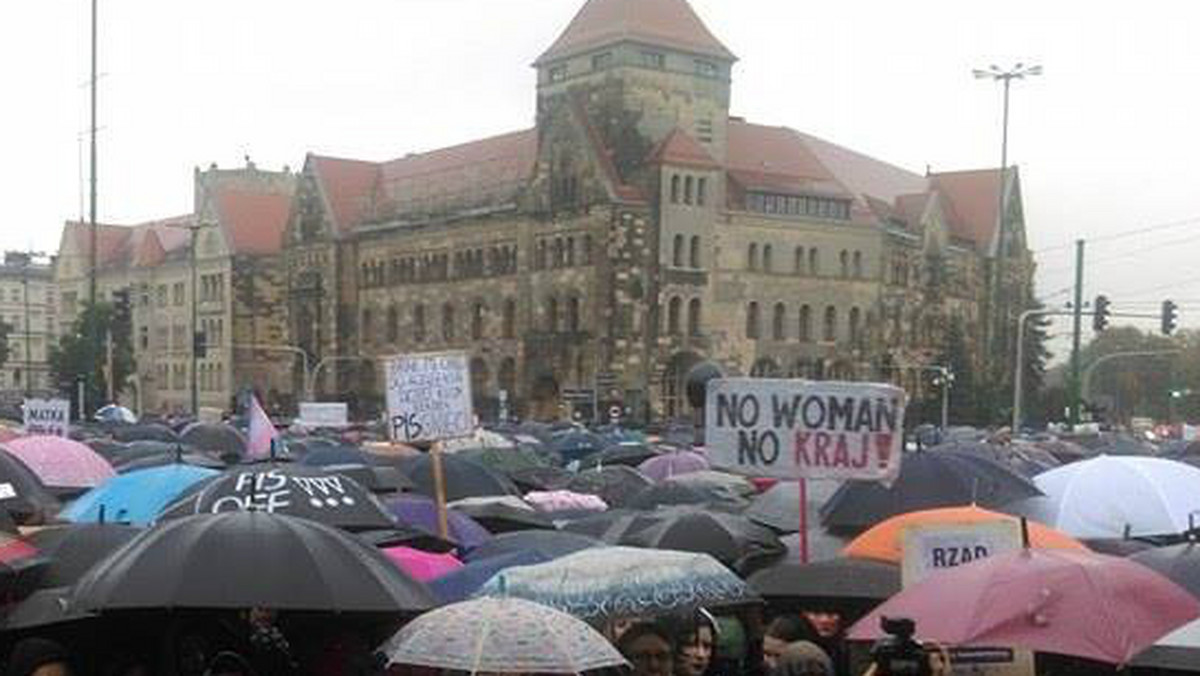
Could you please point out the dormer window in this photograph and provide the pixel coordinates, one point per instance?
(558, 73)
(602, 60)
(656, 60)
(706, 68)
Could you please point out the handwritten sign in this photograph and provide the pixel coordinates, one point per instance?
(47, 416)
(324, 414)
(273, 491)
(930, 548)
(429, 397)
(799, 429)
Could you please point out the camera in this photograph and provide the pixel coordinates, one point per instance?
(898, 654)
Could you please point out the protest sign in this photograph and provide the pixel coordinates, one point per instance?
(799, 429)
(47, 416)
(429, 397)
(324, 414)
(929, 548)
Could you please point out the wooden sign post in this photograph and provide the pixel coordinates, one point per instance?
(429, 401)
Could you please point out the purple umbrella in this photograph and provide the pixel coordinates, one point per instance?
(62, 463)
(419, 512)
(663, 467)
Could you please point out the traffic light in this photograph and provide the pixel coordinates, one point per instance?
(1100, 313)
(1170, 316)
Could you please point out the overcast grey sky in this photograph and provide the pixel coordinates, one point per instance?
(1106, 139)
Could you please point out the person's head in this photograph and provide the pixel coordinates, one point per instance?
(780, 632)
(694, 648)
(803, 658)
(229, 663)
(38, 657)
(827, 622)
(648, 648)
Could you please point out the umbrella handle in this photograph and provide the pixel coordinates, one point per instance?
(1024, 532)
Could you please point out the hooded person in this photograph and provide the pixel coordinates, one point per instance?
(36, 656)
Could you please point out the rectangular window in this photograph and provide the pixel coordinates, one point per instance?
(177, 293)
(656, 60)
(558, 73)
(602, 60)
(706, 68)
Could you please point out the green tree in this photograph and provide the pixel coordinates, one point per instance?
(84, 353)
(964, 393)
(1124, 387)
(1033, 375)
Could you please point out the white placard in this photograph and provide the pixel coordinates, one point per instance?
(429, 397)
(928, 549)
(801, 429)
(7, 491)
(47, 416)
(324, 414)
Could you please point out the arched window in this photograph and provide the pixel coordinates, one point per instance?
(752, 257)
(694, 257)
(447, 322)
(677, 252)
(508, 326)
(693, 318)
(419, 323)
(798, 265)
(587, 249)
(701, 191)
(752, 321)
(688, 186)
(368, 326)
(559, 252)
(552, 314)
(766, 258)
(778, 328)
(675, 189)
(830, 324)
(393, 324)
(805, 327)
(844, 258)
(480, 376)
(858, 265)
(570, 252)
(855, 325)
(573, 315)
(506, 378)
(814, 262)
(674, 308)
(478, 317)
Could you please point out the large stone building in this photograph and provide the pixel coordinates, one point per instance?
(238, 221)
(637, 229)
(27, 308)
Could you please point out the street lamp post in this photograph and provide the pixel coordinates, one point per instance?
(1018, 72)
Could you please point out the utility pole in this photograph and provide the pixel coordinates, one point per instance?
(92, 227)
(28, 259)
(1077, 317)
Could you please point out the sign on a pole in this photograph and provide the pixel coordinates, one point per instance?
(47, 416)
(429, 397)
(801, 429)
(928, 549)
(324, 414)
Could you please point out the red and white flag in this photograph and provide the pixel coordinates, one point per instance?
(262, 432)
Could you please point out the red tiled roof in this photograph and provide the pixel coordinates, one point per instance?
(681, 150)
(775, 158)
(469, 174)
(253, 222)
(669, 23)
(119, 246)
(349, 186)
(974, 197)
(861, 174)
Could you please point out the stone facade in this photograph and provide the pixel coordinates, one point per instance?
(28, 307)
(637, 230)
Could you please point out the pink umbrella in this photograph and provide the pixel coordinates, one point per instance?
(60, 462)
(565, 501)
(663, 467)
(1059, 601)
(423, 566)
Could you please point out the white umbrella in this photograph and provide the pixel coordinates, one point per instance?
(1116, 496)
(502, 635)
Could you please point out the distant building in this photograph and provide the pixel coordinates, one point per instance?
(639, 229)
(27, 307)
(242, 213)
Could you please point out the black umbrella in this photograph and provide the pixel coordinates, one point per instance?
(162, 459)
(928, 479)
(616, 485)
(681, 493)
(244, 560)
(1180, 563)
(22, 493)
(619, 454)
(502, 514)
(1024, 459)
(375, 478)
(609, 526)
(330, 454)
(287, 488)
(839, 579)
(75, 548)
(42, 608)
(214, 438)
(464, 479)
(732, 539)
(577, 444)
(145, 432)
(541, 478)
(545, 544)
(779, 506)
(407, 536)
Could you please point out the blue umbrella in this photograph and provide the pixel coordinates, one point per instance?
(136, 497)
(464, 582)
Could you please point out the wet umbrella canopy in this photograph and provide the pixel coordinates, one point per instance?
(137, 497)
(215, 438)
(22, 493)
(1180, 563)
(241, 560)
(61, 463)
(421, 512)
(840, 578)
(730, 538)
(547, 544)
(149, 432)
(75, 548)
(464, 479)
(616, 485)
